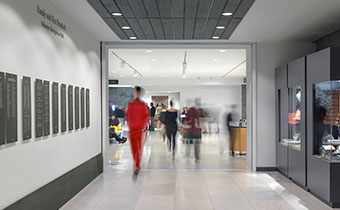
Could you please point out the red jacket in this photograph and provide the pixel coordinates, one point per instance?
(137, 114)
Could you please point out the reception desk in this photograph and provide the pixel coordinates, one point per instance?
(238, 137)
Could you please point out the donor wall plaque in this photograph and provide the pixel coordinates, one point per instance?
(70, 107)
(11, 108)
(87, 108)
(46, 108)
(76, 107)
(26, 109)
(38, 108)
(63, 107)
(55, 107)
(82, 107)
(2, 109)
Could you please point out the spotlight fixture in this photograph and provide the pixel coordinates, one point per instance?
(135, 74)
(116, 14)
(184, 75)
(148, 51)
(132, 37)
(227, 14)
(222, 51)
(215, 37)
(199, 79)
(220, 27)
(126, 27)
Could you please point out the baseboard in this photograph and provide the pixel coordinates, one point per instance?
(266, 169)
(56, 193)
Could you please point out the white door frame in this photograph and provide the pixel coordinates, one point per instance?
(251, 83)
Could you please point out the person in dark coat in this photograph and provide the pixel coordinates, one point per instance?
(152, 117)
(171, 128)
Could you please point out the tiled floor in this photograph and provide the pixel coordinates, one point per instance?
(215, 182)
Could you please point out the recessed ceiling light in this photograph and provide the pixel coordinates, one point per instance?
(227, 14)
(215, 37)
(132, 37)
(148, 51)
(117, 14)
(222, 50)
(120, 75)
(153, 59)
(215, 60)
(220, 27)
(114, 71)
(126, 27)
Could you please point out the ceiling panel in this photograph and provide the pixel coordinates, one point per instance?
(172, 19)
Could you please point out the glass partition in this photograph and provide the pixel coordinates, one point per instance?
(327, 120)
(294, 117)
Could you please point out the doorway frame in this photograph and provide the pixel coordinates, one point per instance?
(251, 85)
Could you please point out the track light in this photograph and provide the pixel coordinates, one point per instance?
(135, 74)
(123, 64)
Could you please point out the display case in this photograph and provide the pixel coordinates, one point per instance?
(294, 117)
(327, 119)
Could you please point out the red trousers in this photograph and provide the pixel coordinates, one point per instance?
(136, 142)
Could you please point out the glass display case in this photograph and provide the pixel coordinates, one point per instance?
(327, 120)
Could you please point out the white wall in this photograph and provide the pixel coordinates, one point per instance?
(268, 57)
(28, 49)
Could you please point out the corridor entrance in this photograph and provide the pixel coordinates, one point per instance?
(216, 77)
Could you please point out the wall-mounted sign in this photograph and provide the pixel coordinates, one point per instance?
(113, 82)
(46, 104)
(11, 108)
(76, 107)
(2, 109)
(55, 106)
(63, 107)
(82, 107)
(70, 107)
(26, 108)
(38, 108)
(87, 108)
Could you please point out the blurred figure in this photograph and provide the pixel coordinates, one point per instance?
(193, 132)
(110, 109)
(152, 117)
(159, 108)
(171, 128)
(184, 114)
(230, 118)
(120, 114)
(162, 119)
(116, 130)
(137, 117)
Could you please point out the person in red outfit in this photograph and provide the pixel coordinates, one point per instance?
(138, 119)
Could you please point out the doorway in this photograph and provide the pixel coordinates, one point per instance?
(212, 86)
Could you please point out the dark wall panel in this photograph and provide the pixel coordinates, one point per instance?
(38, 108)
(70, 107)
(63, 107)
(87, 108)
(46, 108)
(76, 107)
(2, 109)
(11, 108)
(26, 108)
(55, 107)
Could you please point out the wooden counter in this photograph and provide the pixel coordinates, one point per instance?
(238, 135)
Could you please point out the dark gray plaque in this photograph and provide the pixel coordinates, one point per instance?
(11, 108)
(82, 107)
(26, 109)
(87, 108)
(63, 107)
(38, 108)
(76, 107)
(46, 99)
(2, 109)
(70, 107)
(55, 107)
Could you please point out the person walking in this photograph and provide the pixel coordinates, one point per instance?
(171, 128)
(152, 117)
(137, 118)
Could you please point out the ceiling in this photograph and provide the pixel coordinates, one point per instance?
(203, 65)
(266, 20)
(172, 19)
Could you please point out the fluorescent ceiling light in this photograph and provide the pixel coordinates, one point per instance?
(220, 27)
(132, 37)
(117, 14)
(148, 51)
(222, 50)
(215, 37)
(227, 14)
(126, 27)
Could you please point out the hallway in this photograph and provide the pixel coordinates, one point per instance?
(215, 182)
